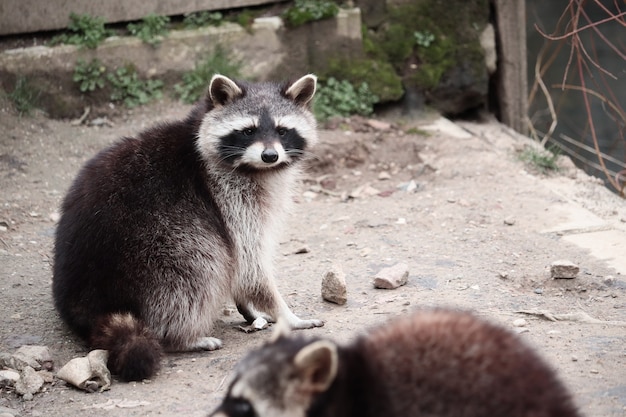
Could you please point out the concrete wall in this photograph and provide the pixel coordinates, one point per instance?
(267, 51)
(26, 16)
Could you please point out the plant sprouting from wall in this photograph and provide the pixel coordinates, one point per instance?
(341, 98)
(24, 96)
(84, 30)
(89, 75)
(130, 89)
(196, 81)
(201, 19)
(304, 11)
(151, 29)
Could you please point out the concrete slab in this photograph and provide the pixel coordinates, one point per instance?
(608, 245)
(566, 218)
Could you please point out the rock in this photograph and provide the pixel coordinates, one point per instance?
(9, 377)
(30, 383)
(378, 124)
(520, 323)
(37, 357)
(89, 373)
(384, 175)
(509, 221)
(260, 323)
(393, 277)
(8, 412)
(334, 286)
(302, 249)
(564, 269)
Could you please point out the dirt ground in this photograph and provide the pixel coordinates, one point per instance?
(476, 228)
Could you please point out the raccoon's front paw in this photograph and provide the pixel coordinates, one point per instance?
(306, 324)
(207, 343)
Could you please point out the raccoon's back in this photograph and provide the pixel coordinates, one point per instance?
(447, 363)
(120, 215)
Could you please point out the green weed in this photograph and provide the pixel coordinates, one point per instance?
(541, 160)
(197, 80)
(424, 38)
(304, 11)
(24, 96)
(89, 75)
(130, 89)
(341, 98)
(201, 19)
(151, 29)
(85, 30)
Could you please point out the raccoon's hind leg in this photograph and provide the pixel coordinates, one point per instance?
(250, 314)
(267, 299)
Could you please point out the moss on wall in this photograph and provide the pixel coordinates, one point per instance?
(425, 41)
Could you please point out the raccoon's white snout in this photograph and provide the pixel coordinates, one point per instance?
(262, 155)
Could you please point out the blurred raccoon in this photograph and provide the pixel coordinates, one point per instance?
(435, 363)
(158, 231)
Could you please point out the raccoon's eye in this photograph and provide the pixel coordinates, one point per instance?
(238, 407)
(281, 131)
(248, 131)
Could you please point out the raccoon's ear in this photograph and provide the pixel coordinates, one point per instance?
(301, 92)
(317, 364)
(223, 90)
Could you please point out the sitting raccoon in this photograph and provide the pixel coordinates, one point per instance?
(435, 363)
(158, 231)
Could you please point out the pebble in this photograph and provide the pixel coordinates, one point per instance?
(384, 175)
(334, 287)
(37, 357)
(520, 323)
(260, 323)
(30, 383)
(538, 291)
(509, 221)
(392, 277)
(8, 377)
(564, 269)
(378, 124)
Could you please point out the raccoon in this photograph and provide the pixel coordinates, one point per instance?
(434, 362)
(159, 230)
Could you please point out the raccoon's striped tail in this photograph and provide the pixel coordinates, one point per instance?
(134, 351)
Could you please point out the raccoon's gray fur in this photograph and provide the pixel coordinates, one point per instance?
(435, 363)
(158, 231)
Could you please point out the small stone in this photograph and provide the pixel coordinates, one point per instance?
(378, 125)
(384, 175)
(564, 269)
(509, 221)
(89, 373)
(520, 323)
(30, 382)
(334, 287)
(37, 357)
(302, 249)
(259, 323)
(574, 358)
(9, 377)
(55, 216)
(538, 290)
(393, 277)
(411, 187)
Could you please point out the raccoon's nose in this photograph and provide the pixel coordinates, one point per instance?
(269, 155)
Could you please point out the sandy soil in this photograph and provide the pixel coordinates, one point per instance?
(479, 232)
